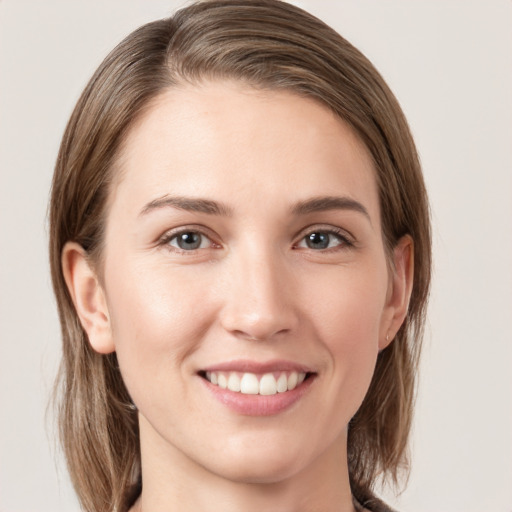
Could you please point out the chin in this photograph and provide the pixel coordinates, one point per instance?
(260, 463)
(258, 472)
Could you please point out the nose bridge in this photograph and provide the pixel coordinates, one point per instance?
(259, 300)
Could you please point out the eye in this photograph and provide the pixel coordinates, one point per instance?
(323, 240)
(189, 241)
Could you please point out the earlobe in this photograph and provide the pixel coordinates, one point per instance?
(399, 295)
(88, 297)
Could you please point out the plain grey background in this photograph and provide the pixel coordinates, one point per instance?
(449, 63)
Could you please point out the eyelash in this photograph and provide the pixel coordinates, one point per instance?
(345, 241)
(166, 239)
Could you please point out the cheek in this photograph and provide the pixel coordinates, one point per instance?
(350, 305)
(157, 317)
(347, 316)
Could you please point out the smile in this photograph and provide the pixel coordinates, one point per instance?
(248, 383)
(253, 388)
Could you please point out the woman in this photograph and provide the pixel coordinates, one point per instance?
(240, 250)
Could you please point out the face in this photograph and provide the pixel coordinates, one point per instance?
(245, 286)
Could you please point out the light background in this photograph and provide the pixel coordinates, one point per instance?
(449, 63)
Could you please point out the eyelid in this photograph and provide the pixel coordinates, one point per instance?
(347, 237)
(163, 240)
(168, 235)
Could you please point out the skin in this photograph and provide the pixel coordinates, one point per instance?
(253, 290)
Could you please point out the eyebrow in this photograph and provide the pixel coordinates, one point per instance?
(210, 207)
(325, 203)
(189, 204)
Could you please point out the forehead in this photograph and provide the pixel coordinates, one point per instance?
(227, 138)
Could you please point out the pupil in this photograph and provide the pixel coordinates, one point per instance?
(189, 241)
(317, 240)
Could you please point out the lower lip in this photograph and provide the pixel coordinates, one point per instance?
(259, 405)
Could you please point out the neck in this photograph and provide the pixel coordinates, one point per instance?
(173, 481)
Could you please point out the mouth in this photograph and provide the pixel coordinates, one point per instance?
(263, 383)
(258, 389)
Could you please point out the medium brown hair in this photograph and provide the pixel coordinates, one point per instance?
(265, 44)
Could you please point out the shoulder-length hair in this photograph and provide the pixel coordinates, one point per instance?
(266, 44)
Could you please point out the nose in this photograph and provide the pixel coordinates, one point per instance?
(259, 296)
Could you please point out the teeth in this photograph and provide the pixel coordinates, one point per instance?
(222, 381)
(268, 385)
(234, 382)
(292, 380)
(251, 384)
(282, 383)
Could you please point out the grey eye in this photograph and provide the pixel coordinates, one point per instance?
(189, 241)
(319, 240)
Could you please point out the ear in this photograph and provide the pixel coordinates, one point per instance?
(88, 297)
(400, 289)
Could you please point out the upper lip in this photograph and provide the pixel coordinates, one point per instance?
(249, 366)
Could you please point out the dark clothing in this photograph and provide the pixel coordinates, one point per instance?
(372, 504)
